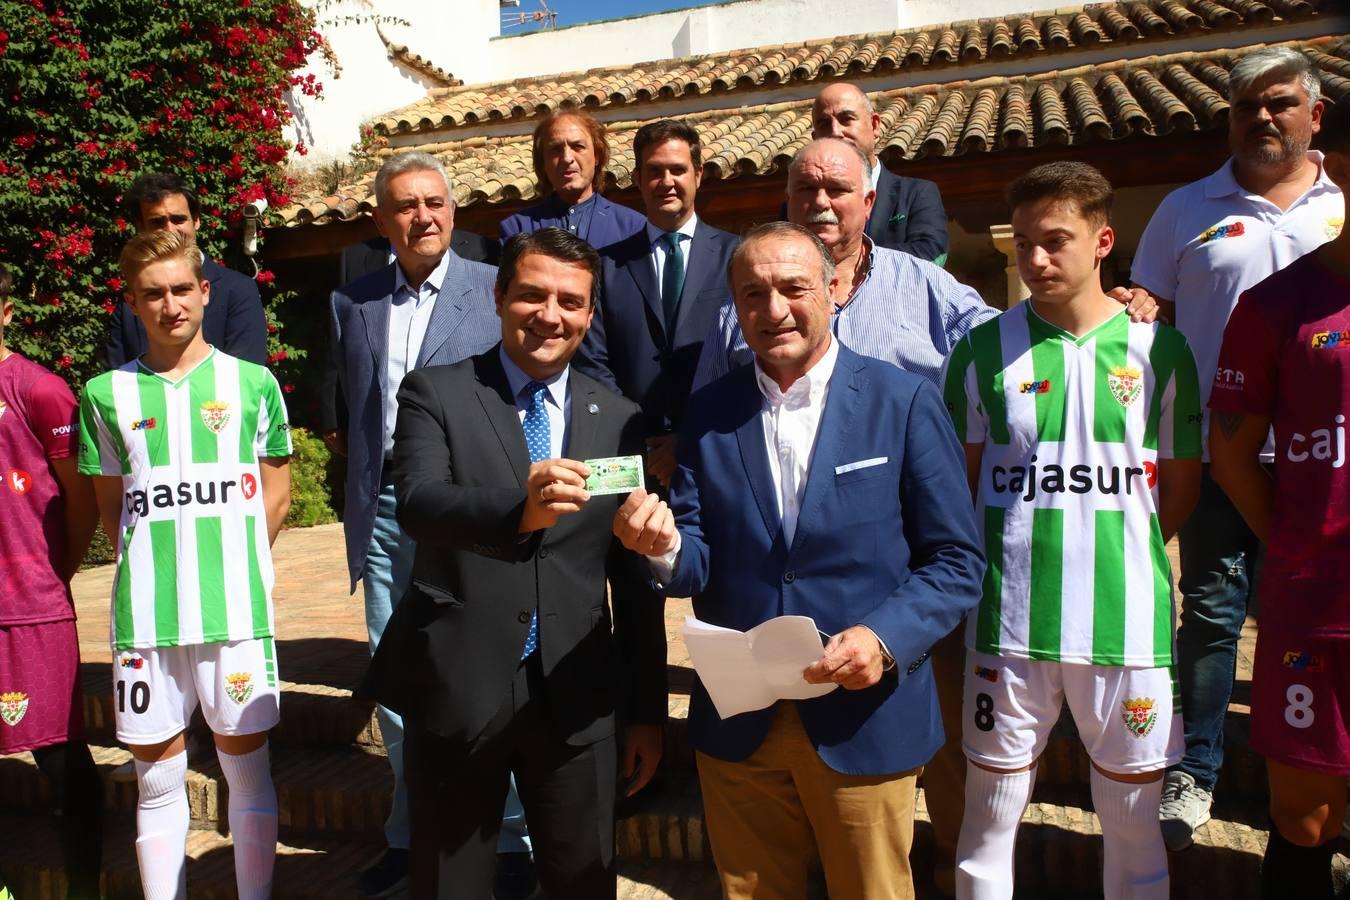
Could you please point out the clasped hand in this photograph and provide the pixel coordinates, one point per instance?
(554, 488)
(645, 524)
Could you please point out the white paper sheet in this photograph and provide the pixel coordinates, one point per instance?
(748, 670)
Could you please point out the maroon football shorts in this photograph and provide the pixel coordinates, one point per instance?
(41, 702)
(1300, 699)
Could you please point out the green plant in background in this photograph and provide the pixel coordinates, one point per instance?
(92, 94)
(311, 503)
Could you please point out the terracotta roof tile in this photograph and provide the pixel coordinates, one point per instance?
(1158, 95)
(943, 46)
(423, 66)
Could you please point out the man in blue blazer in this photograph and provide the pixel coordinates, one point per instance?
(908, 213)
(659, 301)
(427, 308)
(233, 321)
(570, 153)
(821, 483)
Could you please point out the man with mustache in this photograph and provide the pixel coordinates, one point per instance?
(1207, 243)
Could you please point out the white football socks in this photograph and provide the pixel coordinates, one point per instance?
(162, 827)
(1135, 859)
(253, 820)
(995, 802)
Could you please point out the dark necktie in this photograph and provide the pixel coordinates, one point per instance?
(537, 441)
(672, 279)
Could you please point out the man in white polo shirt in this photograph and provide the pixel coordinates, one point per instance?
(1208, 242)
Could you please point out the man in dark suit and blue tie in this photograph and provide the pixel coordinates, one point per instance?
(504, 658)
(233, 322)
(821, 483)
(662, 289)
(428, 307)
(908, 213)
(570, 152)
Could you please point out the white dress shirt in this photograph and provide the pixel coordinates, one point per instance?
(555, 402)
(660, 249)
(409, 315)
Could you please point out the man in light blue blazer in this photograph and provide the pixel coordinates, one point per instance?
(570, 153)
(429, 307)
(815, 482)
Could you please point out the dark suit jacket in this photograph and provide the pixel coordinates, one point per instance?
(885, 538)
(610, 222)
(906, 216)
(233, 321)
(451, 648)
(361, 259)
(628, 348)
(463, 322)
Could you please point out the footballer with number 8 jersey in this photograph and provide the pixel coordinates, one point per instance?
(1082, 436)
(1285, 361)
(190, 448)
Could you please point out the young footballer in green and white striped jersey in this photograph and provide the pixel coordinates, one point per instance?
(190, 451)
(1082, 434)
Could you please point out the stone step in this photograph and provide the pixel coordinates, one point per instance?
(328, 791)
(317, 868)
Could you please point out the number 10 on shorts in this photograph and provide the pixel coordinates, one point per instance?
(136, 695)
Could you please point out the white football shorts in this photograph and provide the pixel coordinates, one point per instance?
(1127, 716)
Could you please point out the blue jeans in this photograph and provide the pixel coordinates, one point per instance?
(1220, 558)
(386, 578)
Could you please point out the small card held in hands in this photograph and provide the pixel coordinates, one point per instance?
(614, 475)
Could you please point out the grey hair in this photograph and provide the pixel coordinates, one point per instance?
(795, 167)
(781, 230)
(1261, 64)
(411, 161)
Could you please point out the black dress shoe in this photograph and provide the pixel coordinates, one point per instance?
(387, 877)
(515, 878)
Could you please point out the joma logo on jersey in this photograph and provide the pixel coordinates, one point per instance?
(986, 673)
(1323, 444)
(215, 415)
(185, 493)
(143, 425)
(1235, 229)
(1303, 662)
(1028, 481)
(1325, 340)
(1036, 387)
(132, 661)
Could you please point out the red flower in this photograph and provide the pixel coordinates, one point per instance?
(265, 277)
(65, 362)
(288, 388)
(56, 301)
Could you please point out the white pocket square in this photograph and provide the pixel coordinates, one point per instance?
(861, 464)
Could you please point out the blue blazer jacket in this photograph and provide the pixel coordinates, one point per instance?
(628, 349)
(463, 323)
(908, 216)
(886, 538)
(610, 222)
(233, 320)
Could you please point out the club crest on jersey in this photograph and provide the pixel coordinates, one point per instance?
(1035, 387)
(239, 687)
(132, 661)
(215, 415)
(1334, 226)
(1139, 716)
(1234, 229)
(144, 424)
(1299, 661)
(1327, 340)
(1126, 384)
(13, 705)
(986, 674)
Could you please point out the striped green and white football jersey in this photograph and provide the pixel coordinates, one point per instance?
(193, 562)
(1072, 430)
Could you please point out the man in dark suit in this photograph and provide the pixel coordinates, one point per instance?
(428, 307)
(356, 261)
(662, 289)
(501, 657)
(570, 152)
(815, 482)
(908, 213)
(233, 321)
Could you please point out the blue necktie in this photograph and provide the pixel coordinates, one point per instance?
(537, 440)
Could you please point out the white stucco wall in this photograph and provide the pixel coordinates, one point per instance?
(462, 36)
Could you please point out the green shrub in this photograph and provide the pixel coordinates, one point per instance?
(101, 551)
(311, 502)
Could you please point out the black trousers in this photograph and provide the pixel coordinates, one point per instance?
(456, 793)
